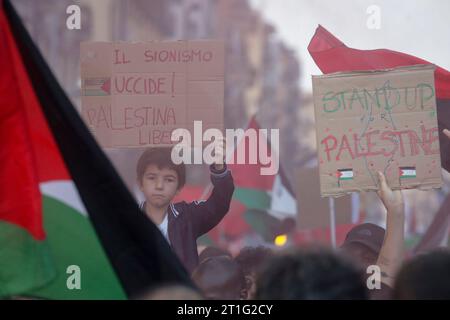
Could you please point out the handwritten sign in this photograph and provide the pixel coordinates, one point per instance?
(377, 121)
(136, 94)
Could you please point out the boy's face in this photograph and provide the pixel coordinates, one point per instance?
(159, 186)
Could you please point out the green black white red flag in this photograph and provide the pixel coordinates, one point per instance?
(61, 201)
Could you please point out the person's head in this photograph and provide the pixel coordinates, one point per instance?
(211, 251)
(219, 278)
(251, 260)
(363, 244)
(424, 277)
(158, 177)
(310, 274)
(171, 292)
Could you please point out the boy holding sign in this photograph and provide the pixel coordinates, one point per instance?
(181, 223)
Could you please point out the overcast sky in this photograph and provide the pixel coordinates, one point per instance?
(416, 27)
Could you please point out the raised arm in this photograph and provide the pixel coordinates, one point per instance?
(392, 251)
(205, 215)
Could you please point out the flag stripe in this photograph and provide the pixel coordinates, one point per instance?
(252, 198)
(25, 263)
(49, 164)
(19, 183)
(65, 191)
(72, 241)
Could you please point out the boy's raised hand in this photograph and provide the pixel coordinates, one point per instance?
(219, 154)
(392, 199)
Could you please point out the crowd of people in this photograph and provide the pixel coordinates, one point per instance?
(309, 273)
(370, 264)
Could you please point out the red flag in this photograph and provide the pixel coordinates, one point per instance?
(331, 55)
(249, 175)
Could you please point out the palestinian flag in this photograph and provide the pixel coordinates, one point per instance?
(283, 203)
(62, 203)
(331, 55)
(260, 203)
(407, 172)
(251, 188)
(345, 174)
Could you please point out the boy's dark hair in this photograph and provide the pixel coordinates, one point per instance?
(425, 277)
(251, 259)
(312, 274)
(161, 157)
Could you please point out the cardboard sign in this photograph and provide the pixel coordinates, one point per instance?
(136, 94)
(373, 121)
(313, 210)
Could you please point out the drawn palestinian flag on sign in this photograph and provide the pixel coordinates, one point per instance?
(407, 172)
(345, 174)
(97, 87)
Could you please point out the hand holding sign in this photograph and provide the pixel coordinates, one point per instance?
(392, 199)
(219, 150)
(391, 254)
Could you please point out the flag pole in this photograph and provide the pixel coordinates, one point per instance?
(332, 222)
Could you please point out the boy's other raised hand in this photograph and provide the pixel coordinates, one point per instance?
(220, 151)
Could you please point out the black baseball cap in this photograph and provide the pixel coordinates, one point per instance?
(367, 234)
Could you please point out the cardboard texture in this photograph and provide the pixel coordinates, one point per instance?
(313, 210)
(136, 94)
(371, 121)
